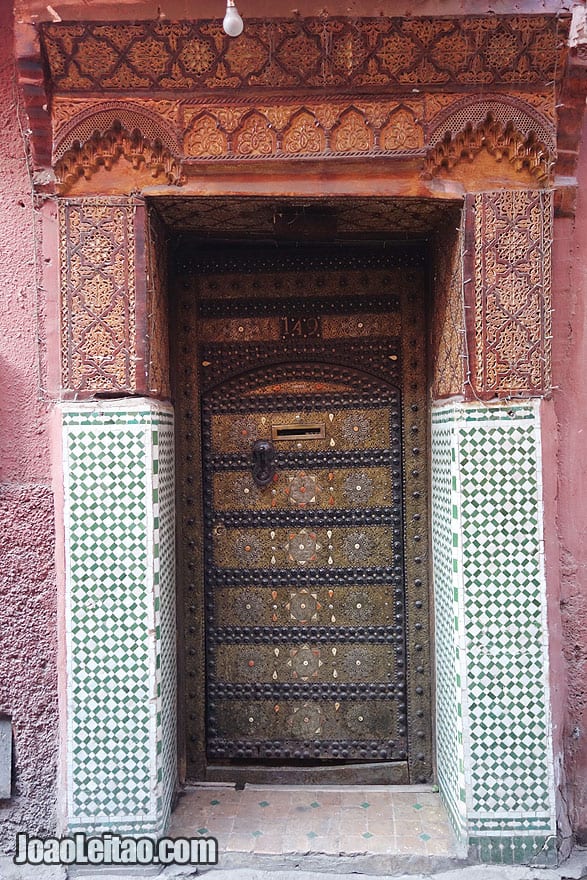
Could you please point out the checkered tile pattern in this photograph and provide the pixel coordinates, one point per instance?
(447, 591)
(505, 623)
(165, 585)
(119, 541)
(492, 701)
(486, 470)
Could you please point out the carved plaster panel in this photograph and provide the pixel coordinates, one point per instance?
(157, 308)
(314, 52)
(512, 281)
(304, 129)
(282, 129)
(448, 322)
(98, 295)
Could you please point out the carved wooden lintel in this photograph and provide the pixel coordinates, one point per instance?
(394, 134)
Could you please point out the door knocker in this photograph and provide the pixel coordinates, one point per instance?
(263, 463)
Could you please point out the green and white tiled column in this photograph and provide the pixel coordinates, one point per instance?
(494, 748)
(118, 459)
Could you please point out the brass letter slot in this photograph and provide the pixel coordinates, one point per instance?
(297, 432)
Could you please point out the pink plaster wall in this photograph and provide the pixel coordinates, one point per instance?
(28, 641)
(569, 458)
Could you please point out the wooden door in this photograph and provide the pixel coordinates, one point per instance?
(305, 636)
(311, 646)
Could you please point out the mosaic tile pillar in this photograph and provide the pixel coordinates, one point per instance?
(494, 750)
(118, 459)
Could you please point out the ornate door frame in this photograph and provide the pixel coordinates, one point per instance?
(128, 357)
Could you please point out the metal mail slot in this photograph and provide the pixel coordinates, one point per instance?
(297, 432)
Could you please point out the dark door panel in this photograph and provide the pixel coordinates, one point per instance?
(306, 595)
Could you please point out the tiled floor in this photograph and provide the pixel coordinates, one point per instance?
(337, 820)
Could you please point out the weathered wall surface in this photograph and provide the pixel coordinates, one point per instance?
(570, 409)
(28, 668)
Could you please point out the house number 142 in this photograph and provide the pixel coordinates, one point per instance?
(299, 328)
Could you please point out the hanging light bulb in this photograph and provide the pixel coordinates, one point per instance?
(233, 23)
